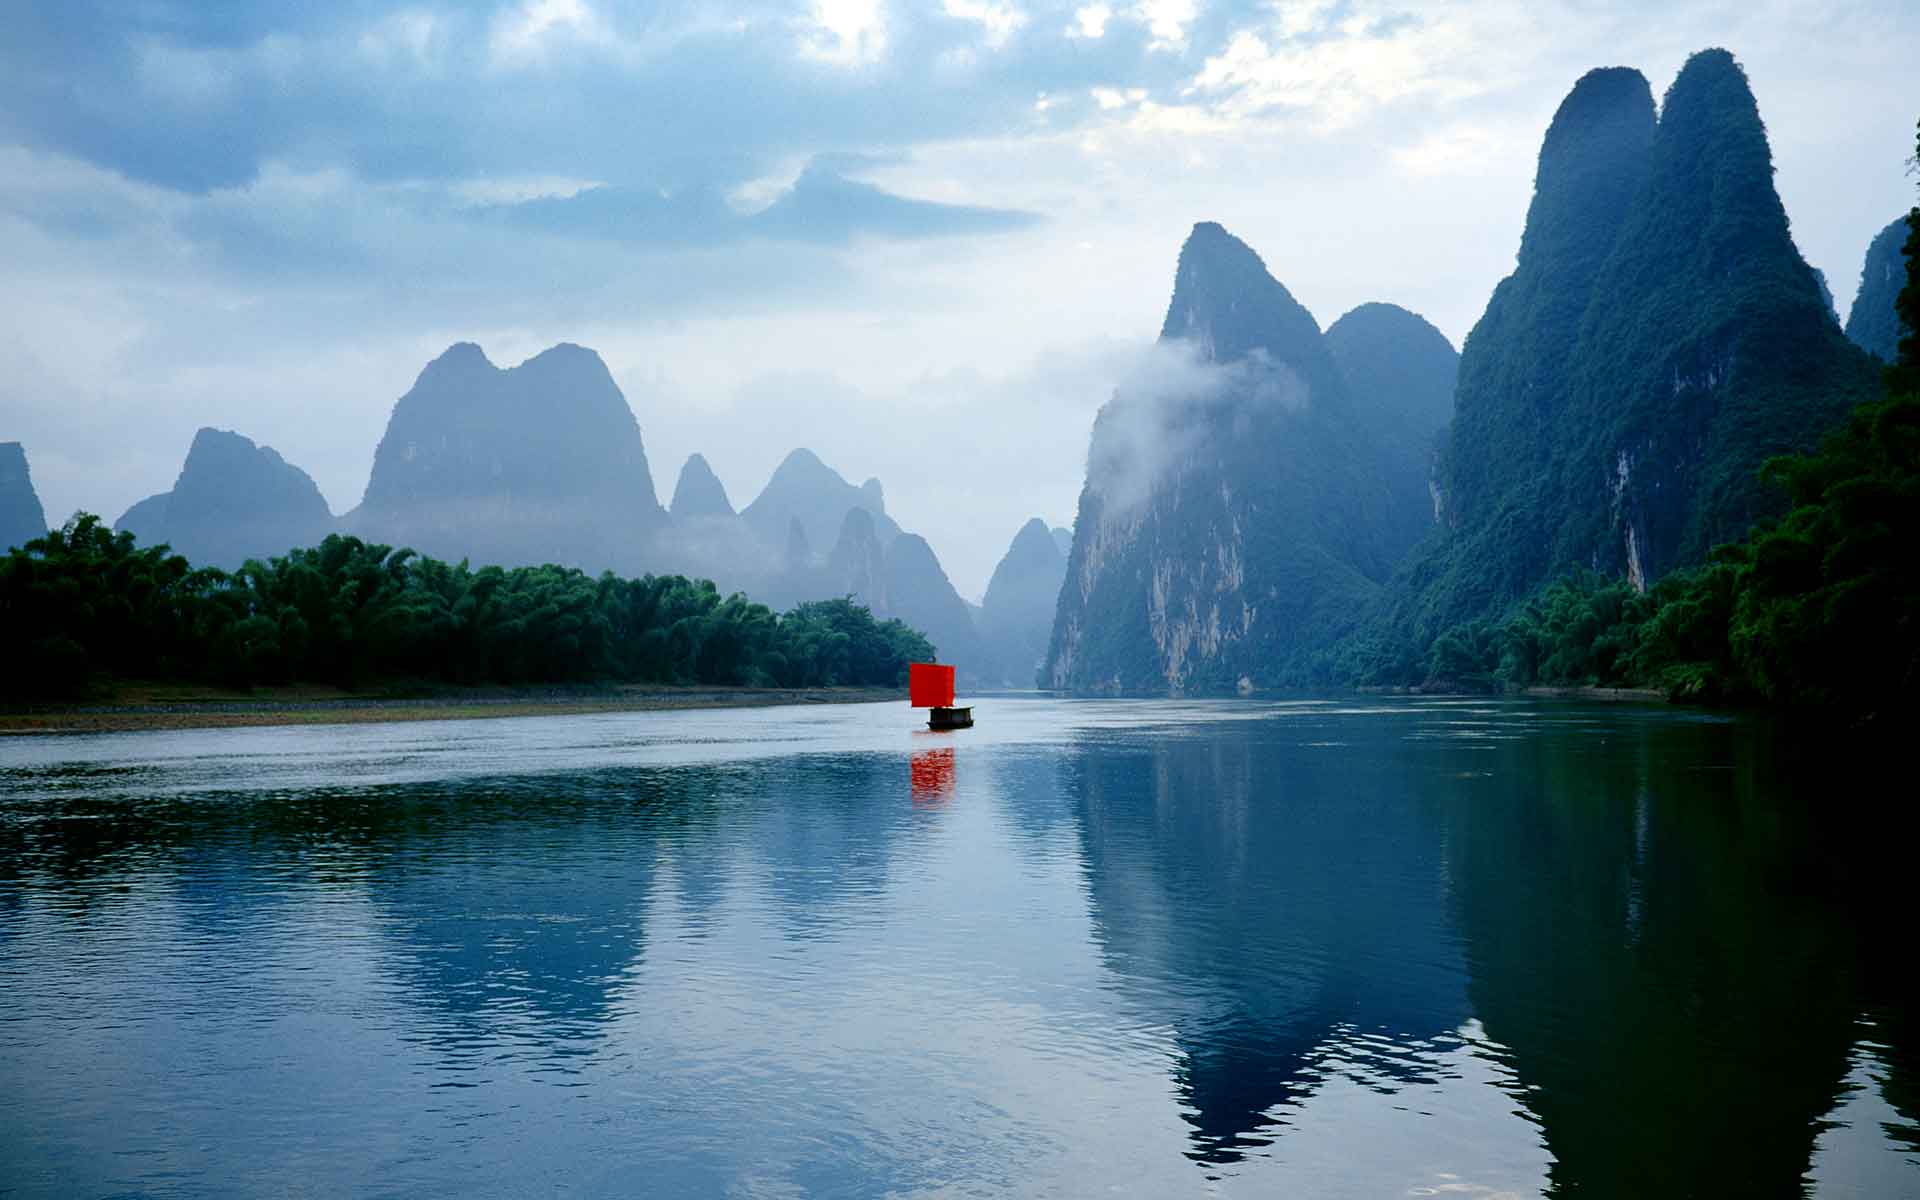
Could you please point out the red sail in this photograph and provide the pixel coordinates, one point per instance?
(929, 685)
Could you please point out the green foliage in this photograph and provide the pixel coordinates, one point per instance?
(1819, 611)
(1624, 386)
(84, 604)
(1905, 375)
(1580, 631)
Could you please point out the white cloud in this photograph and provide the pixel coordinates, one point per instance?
(999, 19)
(846, 33)
(529, 33)
(1090, 21)
(1168, 21)
(1456, 148)
(518, 189)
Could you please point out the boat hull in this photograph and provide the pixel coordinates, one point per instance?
(950, 718)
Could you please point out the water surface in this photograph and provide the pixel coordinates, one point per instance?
(1128, 948)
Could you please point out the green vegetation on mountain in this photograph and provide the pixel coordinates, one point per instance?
(83, 605)
(1818, 610)
(1659, 340)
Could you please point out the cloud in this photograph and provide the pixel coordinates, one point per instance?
(822, 205)
(170, 93)
(1171, 400)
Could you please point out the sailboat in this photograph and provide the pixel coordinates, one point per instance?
(930, 686)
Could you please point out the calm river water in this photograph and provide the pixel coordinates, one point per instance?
(1370, 949)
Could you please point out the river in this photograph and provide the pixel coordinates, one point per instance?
(1145, 948)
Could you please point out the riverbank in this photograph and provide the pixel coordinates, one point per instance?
(1639, 694)
(146, 706)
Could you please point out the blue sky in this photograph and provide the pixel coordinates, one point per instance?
(883, 230)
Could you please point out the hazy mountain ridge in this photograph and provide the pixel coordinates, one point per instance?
(699, 492)
(232, 501)
(542, 462)
(21, 517)
(805, 489)
(1016, 613)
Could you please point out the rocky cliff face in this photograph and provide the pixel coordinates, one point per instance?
(1660, 338)
(233, 501)
(21, 517)
(1873, 324)
(1235, 521)
(539, 463)
(806, 489)
(1016, 614)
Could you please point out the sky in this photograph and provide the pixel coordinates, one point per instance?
(923, 240)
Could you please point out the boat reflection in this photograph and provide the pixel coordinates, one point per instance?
(930, 773)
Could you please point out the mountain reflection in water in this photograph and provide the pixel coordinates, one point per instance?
(1165, 948)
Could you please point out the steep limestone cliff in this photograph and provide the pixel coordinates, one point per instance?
(1235, 519)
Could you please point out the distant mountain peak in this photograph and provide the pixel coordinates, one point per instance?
(1229, 307)
(802, 459)
(461, 358)
(699, 492)
(1034, 538)
(233, 500)
(806, 488)
(1592, 161)
(542, 462)
(21, 517)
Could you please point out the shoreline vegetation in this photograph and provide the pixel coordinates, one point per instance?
(85, 613)
(139, 707)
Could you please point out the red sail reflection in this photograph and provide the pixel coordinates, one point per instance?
(931, 772)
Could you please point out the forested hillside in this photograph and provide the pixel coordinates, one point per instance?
(84, 605)
(1660, 339)
(1818, 610)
